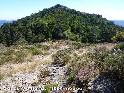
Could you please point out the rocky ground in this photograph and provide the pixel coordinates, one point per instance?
(40, 74)
(26, 82)
(43, 73)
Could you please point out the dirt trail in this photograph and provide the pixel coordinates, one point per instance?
(25, 82)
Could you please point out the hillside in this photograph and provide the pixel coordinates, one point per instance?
(37, 68)
(61, 50)
(60, 22)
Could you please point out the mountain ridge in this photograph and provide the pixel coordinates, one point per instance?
(3, 21)
(119, 22)
(60, 22)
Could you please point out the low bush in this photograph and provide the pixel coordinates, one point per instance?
(77, 45)
(35, 51)
(43, 74)
(118, 37)
(109, 61)
(13, 56)
(48, 88)
(119, 46)
(62, 57)
(41, 46)
(70, 79)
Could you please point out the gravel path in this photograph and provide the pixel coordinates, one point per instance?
(29, 82)
(26, 82)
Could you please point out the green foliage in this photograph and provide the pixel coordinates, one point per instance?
(60, 22)
(118, 37)
(35, 51)
(70, 78)
(48, 88)
(119, 46)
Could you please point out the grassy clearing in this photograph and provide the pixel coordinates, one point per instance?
(22, 53)
(13, 56)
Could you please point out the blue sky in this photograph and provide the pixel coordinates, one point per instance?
(15, 9)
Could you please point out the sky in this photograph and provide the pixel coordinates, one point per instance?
(16, 9)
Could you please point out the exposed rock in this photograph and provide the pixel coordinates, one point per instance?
(107, 83)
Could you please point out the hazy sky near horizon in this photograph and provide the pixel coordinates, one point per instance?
(15, 9)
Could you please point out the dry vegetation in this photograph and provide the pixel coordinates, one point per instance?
(84, 61)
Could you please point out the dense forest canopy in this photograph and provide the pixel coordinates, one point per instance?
(60, 22)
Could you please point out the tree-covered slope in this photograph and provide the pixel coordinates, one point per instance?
(60, 22)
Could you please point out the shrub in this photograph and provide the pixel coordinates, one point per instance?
(35, 51)
(62, 57)
(48, 88)
(13, 56)
(119, 46)
(109, 61)
(43, 74)
(43, 47)
(70, 79)
(77, 45)
(118, 37)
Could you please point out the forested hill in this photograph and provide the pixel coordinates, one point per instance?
(60, 22)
